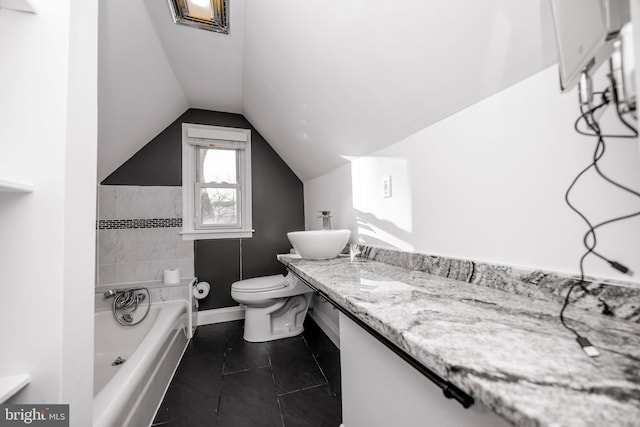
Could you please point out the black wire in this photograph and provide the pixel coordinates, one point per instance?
(611, 181)
(616, 100)
(590, 248)
(597, 156)
(567, 297)
(605, 101)
(600, 148)
(583, 116)
(592, 230)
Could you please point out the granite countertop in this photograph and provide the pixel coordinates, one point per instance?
(508, 351)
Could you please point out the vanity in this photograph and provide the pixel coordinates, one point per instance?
(422, 349)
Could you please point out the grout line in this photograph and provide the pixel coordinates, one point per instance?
(326, 380)
(303, 389)
(224, 361)
(315, 359)
(273, 381)
(279, 408)
(245, 370)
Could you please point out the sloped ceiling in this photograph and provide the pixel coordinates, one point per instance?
(138, 93)
(208, 65)
(322, 80)
(151, 71)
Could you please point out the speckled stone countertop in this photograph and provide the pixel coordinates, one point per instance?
(508, 351)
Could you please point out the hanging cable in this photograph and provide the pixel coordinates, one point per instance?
(590, 238)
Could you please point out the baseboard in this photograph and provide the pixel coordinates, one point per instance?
(328, 327)
(219, 315)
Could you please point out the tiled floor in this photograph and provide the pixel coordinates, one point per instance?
(225, 381)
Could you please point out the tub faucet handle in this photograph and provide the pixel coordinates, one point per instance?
(110, 293)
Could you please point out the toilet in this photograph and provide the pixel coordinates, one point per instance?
(275, 306)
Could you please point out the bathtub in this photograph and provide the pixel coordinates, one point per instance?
(129, 394)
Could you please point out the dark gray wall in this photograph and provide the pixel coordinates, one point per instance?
(277, 196)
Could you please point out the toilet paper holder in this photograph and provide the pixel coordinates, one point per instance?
(201, 289)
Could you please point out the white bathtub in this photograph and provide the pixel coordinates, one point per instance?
(129, 394)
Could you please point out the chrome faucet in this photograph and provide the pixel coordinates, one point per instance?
(326, 219)
(126, 301)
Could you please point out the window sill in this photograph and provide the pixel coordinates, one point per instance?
(218, 234)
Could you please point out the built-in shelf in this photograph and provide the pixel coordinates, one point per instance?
(18, 5)
(11, 385)
(15, 187)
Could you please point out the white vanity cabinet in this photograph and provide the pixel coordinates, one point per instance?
(379, 389)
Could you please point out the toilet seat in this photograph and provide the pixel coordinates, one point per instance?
(261, 284)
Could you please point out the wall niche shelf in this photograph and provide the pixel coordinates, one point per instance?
(11, 385)
(18, 5)
(15, 187)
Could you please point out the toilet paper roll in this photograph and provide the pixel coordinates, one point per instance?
(172, 276)
(201, 290)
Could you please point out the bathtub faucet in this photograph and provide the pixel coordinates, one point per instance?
(126, 302)
(126, 297)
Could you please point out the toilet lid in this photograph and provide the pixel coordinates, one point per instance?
(260, 284)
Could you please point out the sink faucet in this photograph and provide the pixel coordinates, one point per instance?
(326, 219)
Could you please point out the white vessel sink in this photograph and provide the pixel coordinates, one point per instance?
(319, 244)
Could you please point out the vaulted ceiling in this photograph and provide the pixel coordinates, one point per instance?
(322, 80)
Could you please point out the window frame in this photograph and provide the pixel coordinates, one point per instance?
(199, 186)
(218, 23)
(194, 137)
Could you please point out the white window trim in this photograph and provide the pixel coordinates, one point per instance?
(189, 157)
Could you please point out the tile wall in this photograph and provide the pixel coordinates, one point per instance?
(138, 234)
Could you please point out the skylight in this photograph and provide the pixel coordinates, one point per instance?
(212, 15)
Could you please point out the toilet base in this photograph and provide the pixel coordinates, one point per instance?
(252, 338)
(284, 319)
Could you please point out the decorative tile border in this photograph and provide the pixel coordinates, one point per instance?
(617, 299)
(121, 224)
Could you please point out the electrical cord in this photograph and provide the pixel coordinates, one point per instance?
(616, 100)
(598, 153)
(589, 238)
(605, 101)
(600, 149)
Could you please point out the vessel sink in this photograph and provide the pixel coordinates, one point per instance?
(319, 244)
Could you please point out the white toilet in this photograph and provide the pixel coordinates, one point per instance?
(275, 306)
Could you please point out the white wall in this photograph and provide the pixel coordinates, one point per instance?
(139, 93)
(31, 225)
(48, 138)
(80, 212)
(488, 184)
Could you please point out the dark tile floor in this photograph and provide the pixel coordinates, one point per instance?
(225, 381)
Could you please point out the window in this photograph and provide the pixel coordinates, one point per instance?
(209, 15)
(216, 182)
